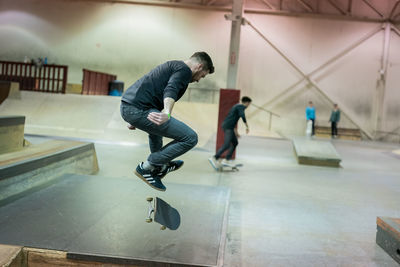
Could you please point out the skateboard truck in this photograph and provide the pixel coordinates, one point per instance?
(152, 211)
(163, 213)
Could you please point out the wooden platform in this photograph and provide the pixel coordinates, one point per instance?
(11, 133)
(315, 152)
(11, 256)
(343, 133)
(388, 236)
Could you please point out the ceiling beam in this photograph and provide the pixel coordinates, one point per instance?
(229, 10)
(392, 16)
(305, 5)
(311, 15)
(209, 3)
(268, 4)
(335, 5)
(350, 7)
(373, 8)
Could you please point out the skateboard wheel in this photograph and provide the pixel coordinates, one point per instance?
(149, 220)
(149, 199)
(163, 227)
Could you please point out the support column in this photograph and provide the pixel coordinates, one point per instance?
(236, 17)
(379, 95)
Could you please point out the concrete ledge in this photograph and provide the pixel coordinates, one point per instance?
(388, 236)
(315, 152)
(11, 256)
(37, 165)
(11, 133)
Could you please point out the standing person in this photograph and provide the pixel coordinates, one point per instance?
(147, 105)
(335, 118)
(310, 115)
(230, 132)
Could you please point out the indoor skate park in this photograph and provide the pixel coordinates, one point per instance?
(68, 192)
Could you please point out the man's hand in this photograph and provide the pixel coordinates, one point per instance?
(247, 130)
(236, 133)
(131, 127)
(158, 117)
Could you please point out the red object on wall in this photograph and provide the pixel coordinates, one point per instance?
(227, 99)
(96, 83)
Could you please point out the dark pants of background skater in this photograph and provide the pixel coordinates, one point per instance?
(230, 142)
(313, 126)
(334, 128)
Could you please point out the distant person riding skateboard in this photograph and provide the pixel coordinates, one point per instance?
(231, 133)
(147, 105)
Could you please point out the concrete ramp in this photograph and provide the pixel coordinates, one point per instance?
(36, 165)
(97, 117)
(101, 219)
(315, 152)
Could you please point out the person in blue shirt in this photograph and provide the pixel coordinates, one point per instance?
(310, 115)
(147, 105)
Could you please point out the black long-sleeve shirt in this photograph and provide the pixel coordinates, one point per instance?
(235, 113)
(169, 79)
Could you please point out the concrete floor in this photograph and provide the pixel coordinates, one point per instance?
(285, 214)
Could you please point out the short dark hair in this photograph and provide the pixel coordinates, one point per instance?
(246, 99)
(204, 59)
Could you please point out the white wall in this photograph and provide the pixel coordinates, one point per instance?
(309, 43)
(124, 39)
(128, 40)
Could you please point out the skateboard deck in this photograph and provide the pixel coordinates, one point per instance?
(233, 167)
(163, 214)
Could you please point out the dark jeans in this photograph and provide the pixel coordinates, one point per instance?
(230, 142)
(184, 138)
(313, 126)
(334, 128)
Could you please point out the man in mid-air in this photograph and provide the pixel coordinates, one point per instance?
(148, 104)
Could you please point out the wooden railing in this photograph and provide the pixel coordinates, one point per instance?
(96, 83)
(44, 78)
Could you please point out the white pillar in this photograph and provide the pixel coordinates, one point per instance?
(236, 17)
(379, 95)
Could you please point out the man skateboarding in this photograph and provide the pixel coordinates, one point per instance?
(147, 105)
(231, 133)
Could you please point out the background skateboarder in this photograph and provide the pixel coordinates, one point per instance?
(147, 105)
(334, 119)
(231, 134)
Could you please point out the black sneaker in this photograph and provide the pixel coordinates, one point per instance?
(150, 177)
(172, 166)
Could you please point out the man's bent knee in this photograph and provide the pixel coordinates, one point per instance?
(192, 139)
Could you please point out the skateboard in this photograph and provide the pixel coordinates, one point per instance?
(233, 167)
(163, 214)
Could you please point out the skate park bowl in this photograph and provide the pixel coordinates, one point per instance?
(310, 151)
(56, 212)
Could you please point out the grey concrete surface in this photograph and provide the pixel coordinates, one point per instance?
(285, 214)
(94, 215)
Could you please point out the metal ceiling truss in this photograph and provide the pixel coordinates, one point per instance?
(310, 81)
(311, 8)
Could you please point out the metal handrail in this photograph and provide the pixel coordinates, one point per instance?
(270, 114)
